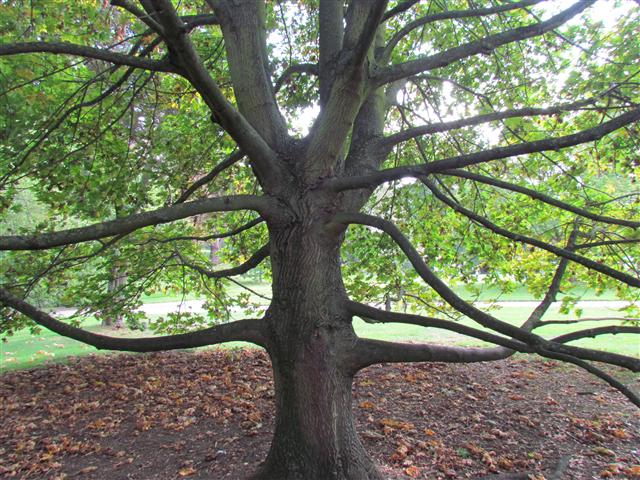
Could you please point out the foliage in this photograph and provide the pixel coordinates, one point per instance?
(376, 152)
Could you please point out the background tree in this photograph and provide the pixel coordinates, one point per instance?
(449, 139)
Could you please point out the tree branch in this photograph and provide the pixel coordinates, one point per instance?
(310, 68)
(133, 222)
(241, 330)
(450, 15)
(561, 252)
(465, 160)
(414, 132)
(398, 9)
(369, 352)
(382, 316)
(262, 157)
(594, 332)
(64, 48)
(349, 89)
(331, 30)
(251, 263)
(244, 29)
(595, 371)
(139, 14)
(508, 346)
(604, 243)
(485, 45)
(193, 21)
(232, 159)
(536, 315)
(536, 342)
(206, 238)
(587, 319)
(359, 34)
(542, 197)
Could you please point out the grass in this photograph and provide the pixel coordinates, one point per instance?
(260, 287)
(626, 344)
(522, 293)
(25, 350)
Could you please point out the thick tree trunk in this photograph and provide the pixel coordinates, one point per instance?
(315, 436)
(311, 342)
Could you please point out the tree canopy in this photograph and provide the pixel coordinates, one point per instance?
(461, 142)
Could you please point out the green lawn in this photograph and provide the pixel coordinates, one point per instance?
(521, 293)
(233, 289)
(24, 350)
(626, 344)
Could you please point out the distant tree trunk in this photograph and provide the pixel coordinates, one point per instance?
(311, 341)
(117, 281)
(214, 246)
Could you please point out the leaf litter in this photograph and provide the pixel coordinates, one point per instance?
(209, 414)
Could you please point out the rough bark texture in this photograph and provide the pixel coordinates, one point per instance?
(311, 337)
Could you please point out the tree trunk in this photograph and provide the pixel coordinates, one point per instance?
(311, 340)
(117, 280)
(315, 436)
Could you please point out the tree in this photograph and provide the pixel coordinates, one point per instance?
(515, 119)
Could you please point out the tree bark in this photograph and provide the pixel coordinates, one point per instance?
(311, 340)
(315, 436)
(117, 281)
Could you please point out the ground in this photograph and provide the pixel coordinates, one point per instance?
(209, 415)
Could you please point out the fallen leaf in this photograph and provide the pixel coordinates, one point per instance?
(398, 424)
(87, 470)
(412, 471)
(186, 471)
(620, 433)
(605, 452)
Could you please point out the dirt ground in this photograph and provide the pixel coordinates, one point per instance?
(209, 415)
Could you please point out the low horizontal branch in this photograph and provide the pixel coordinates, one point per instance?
(586, 319)
(65, 48)
(377, 315)
(536, 342)
(241, 330)
(369, 352)
(595, 332)
(133, 222)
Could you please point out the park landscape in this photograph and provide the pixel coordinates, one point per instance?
(329, 240)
